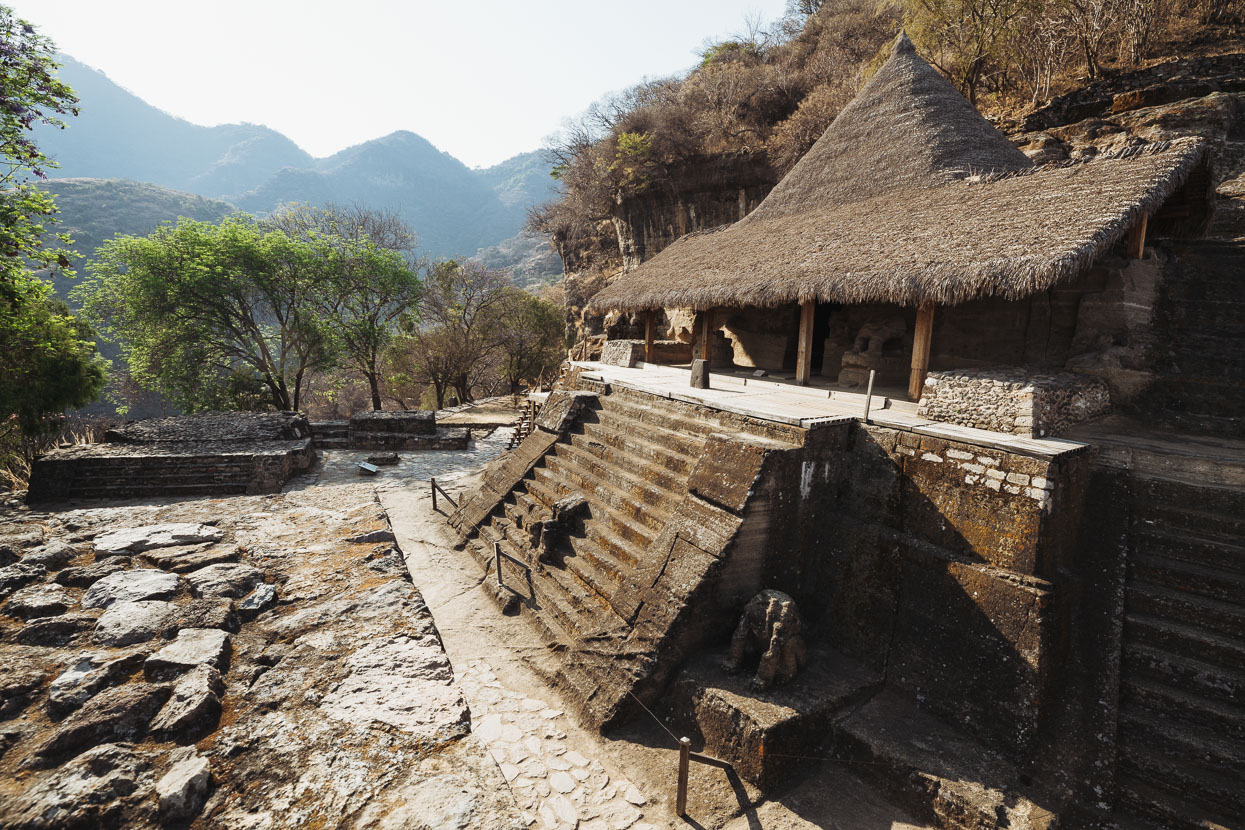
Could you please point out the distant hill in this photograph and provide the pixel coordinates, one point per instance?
(454, 209)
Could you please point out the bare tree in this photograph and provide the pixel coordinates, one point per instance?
(1090, 21)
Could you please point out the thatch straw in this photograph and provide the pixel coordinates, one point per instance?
(1003, 235)
(912, 196)
(907, 129)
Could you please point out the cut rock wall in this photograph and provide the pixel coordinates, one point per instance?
(1013, 400)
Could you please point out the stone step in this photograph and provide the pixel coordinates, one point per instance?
(1182, 613)
(646, 519)
(1199, 509)
(676, 452)
(631, 464)
(1182, 709)
(602, 531)
(627, 475)
(331, 443)
(594, 567)
(1211, 680)
(665, 416)
(1144, 736)
(172, 491)
(1147, 807)
(1198, 788)
(1151, 539)
(1187, 577)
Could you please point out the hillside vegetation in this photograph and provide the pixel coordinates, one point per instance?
(772, 91)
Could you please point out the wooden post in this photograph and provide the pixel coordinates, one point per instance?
(1135, 248)
(650, 324)
(706, 328)
(920, 350)
(804, 354)
(685, 757)
(434, 493)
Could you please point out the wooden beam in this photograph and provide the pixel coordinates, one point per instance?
(920, 350)
(650, 324)
(1135, 248)
(804, 354)
(706, 330)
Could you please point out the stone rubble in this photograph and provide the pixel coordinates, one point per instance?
(284, 639)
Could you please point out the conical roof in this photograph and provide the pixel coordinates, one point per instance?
(907, 129)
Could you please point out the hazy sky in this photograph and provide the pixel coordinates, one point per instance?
(482, 80)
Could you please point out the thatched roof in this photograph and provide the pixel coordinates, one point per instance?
(908, 129)
(925, 201)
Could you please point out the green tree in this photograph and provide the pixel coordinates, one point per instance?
(209, 313)
(532, 338)
(50, 361)
(454, 343)
(965, 38)
(371, 278)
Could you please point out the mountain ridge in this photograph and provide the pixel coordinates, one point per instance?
(454, 209)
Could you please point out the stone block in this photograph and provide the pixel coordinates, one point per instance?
(623, 353)
(758, 732)
(727, 471)
(404, 421)
(562, 408)
(700, 374)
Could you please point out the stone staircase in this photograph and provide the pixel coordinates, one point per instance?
(1200, 322)
(630, 456)
(1181, 740)
(330, 435)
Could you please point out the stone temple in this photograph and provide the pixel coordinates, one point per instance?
(928, 366)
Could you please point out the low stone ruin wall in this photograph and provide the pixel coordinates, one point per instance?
(1012, 400)
(630, 352)
(211, 453)
(404, 429)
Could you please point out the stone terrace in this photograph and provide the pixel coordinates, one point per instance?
(212, 453)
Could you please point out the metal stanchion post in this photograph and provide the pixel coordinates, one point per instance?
(434, 493)
(869, 394)
(680, 801)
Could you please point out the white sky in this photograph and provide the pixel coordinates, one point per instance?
(482, 80)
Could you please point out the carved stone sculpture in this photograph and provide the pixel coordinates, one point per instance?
(875, 334)
(770, 626)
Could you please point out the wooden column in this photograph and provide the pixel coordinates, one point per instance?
(804, 355)
(1136, 244)
(706, 330)
(650, 324)
(920, 350)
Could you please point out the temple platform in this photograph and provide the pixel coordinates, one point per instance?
(782, 400)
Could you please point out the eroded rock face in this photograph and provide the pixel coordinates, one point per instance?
(138, 539)
(118, 714)
(17, 576)
(323, 691)
(194, 704)
(406, 683)
(182, 789)
(131, 586)
(87, 675)
(224, 580)
(85, 576)
(193, 647)
(33, 601)
(93, 790)
(126, 623)
(53, 556)
(54, 631)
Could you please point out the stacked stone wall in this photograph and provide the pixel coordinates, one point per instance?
(1012, 400)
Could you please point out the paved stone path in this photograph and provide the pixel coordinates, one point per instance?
(413, 469)
(555, 779)
(558, 780)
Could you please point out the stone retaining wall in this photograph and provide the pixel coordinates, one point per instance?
(1013, 400)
